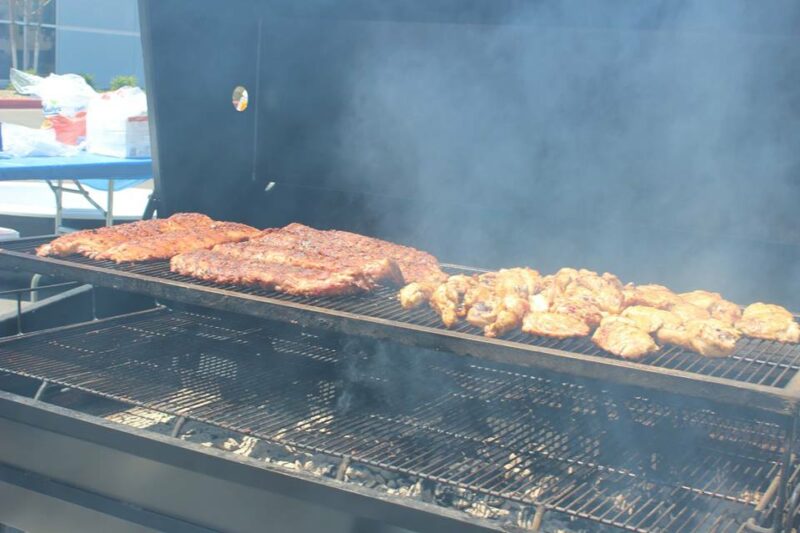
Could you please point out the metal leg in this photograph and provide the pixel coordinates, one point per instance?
(110, 204)
(58, 191)
(19, 313)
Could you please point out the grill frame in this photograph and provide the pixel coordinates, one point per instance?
(571, 501)
(783, 400)
(37, 436)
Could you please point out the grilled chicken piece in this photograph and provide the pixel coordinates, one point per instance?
(481, 290)
(650, 319)
(564, 278)
(768, 321)
(726, 311)
(656, 296)
(605, 290)
(622, 337)
(545, 294)
(713, 338)
(717, 307)
(484, 312)
(415, 294)
(497, 303)
(701, 298)
(554, 325)
(510, 315)
(448, 299)
(584, 310)
(687, 312)
(519, 281)
(709, 337)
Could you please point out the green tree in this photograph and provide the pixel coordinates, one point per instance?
(123, 81)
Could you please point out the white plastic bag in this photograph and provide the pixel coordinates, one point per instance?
(116, 124)
(19, 141)
(61, 94)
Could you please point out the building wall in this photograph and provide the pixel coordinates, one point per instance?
(98, 37)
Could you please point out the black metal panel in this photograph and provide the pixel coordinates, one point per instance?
(194, 58)
(62, 506)
(201, 485)
(655, 140)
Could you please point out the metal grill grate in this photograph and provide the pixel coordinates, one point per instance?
(631, 463)
(756, 362)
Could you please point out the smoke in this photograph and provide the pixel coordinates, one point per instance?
(657, 140)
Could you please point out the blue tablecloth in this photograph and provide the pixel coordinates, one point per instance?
(93, 170)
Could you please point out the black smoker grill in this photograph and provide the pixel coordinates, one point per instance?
(190, 406)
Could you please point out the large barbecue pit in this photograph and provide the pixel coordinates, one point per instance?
(654, 140)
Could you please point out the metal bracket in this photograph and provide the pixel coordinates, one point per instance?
(17, 293)
(151, 207)
(41, 389)
(751, 525)
(342, 468)
(176, 431)
(788, 458)
(538, 518)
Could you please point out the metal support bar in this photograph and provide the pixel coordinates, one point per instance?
(110, 204)
(778, 520)
(59, 206)
(19, 313)
(93, 296)
(41, 389)
(538, 518)
(792, 507)
(37, 288)
(178, 427)
(342, 469)
(766, 498)
(35, 281)
(33, 289)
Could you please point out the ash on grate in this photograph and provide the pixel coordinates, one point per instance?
(286, 456)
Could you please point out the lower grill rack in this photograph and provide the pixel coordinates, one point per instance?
(474, 431)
